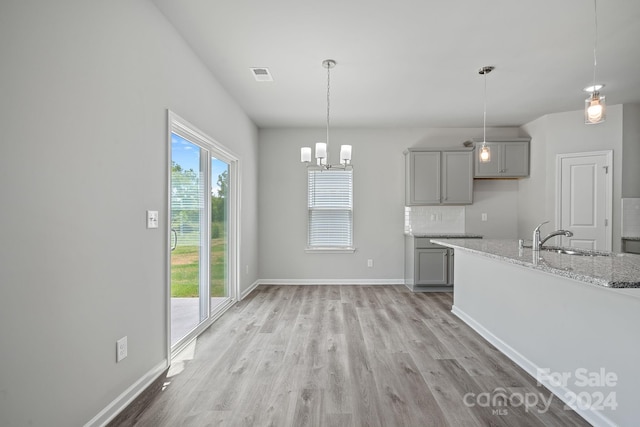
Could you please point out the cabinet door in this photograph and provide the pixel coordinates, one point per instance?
(431, 267)
(493, 167)
(457, 177)
(423, 178)
(515, 159)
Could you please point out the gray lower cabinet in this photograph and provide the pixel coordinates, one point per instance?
(428, 267)
(631, 246)
(432, 267)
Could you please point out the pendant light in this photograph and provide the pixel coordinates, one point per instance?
(594, 105)
(485, 152)
(322, 148)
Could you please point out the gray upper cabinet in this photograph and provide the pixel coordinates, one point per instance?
(509, 159)
(435, 177)
(457, 177)
(423, 178)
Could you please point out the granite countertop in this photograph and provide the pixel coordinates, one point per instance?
(612, 271)
(630, 238)
(434, 235)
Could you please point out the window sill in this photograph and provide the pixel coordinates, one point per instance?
(330, 250)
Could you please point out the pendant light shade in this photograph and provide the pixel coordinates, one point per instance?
(594, 109)
(485, 153)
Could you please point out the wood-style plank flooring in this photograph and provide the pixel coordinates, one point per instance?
(346, 356)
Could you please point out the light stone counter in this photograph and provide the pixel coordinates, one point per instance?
(434, 235)
(613, 271)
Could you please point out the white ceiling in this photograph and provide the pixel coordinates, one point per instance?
(413, 62)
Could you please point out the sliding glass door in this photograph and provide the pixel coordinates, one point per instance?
(202, 231)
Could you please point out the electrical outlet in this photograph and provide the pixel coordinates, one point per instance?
(369, 263)
(484, 216)
(121, 349)
(247, 269)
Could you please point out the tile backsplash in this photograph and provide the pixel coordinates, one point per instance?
(630, 217)
(437, 219)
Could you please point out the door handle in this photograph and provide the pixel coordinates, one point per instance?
(174, 233)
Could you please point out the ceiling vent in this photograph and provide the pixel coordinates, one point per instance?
(261, 74)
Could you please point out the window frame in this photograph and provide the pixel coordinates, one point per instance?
(329, 248)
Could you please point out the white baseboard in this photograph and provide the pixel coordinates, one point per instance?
(127, 396)
(250, 289)
(596, 418)
(364, 282)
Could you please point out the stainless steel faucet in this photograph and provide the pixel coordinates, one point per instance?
(537, 242)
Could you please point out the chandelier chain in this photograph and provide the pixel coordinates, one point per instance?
(328, 101)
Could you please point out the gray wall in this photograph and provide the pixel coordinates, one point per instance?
(378, 202)
(631, 150)
(566, 133)
(83, 98)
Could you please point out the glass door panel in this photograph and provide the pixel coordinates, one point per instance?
(187, 236)
(219, 268)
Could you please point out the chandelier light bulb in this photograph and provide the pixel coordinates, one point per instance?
(345, 154)
(321, 150)
(305, 154)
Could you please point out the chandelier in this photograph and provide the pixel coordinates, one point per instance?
(322, 148)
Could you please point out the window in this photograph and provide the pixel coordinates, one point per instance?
(330, 205)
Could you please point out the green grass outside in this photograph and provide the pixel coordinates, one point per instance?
(185, 271)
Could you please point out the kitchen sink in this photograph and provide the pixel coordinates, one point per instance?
(575, 251)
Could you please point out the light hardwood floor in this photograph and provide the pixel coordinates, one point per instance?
(346, 356)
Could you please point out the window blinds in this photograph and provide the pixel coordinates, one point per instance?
(330, 208)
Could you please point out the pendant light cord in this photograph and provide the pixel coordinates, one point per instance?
(595, 43)
(484, 117)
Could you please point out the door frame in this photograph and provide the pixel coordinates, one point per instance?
(608, 189)
(176, 124)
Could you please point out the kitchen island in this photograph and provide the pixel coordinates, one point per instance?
(562, 318)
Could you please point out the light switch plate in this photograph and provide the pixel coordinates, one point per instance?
(152, 219)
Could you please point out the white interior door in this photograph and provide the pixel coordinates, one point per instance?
(584, 204)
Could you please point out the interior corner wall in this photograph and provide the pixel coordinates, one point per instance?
(378, 202)
(533, 193)
(631, 151)
(561, 133)
(83, 110)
